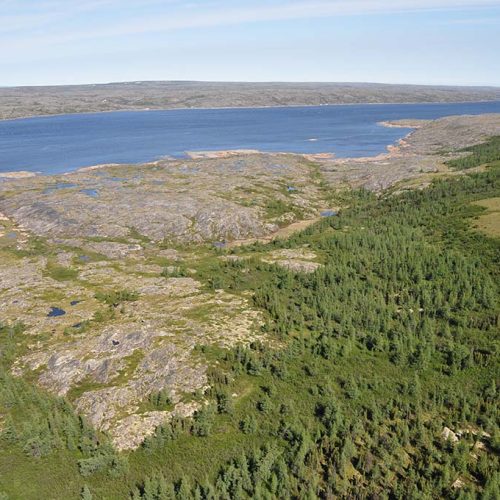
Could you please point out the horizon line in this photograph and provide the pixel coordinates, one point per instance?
(236, 82)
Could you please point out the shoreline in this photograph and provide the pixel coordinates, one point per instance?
(405, 123)
(226, 153)
(411, 124)
(222, 153)
(271, 106)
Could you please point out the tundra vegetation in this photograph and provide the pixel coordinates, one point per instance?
(18, 102)
(375, 374)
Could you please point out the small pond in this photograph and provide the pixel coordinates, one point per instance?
(56, 311)
(93, 193)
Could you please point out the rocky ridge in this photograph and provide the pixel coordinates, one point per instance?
(18, 102)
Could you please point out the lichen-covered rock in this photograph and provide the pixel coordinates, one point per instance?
(189, 201)
(449, 435)
(109, 370)
(299, 260)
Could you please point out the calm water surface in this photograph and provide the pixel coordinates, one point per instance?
(56, 144)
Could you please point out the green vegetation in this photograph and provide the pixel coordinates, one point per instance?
(276, 208)
(370, 359)
(60, 273)
(480, 154)
(158, 401)
(134, 234)
(43, 443)
(116, 297)
(175, 272)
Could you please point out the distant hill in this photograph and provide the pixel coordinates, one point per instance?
(18, 102)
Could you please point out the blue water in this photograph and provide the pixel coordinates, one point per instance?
(93, 193)
(57, 144)
(56, 311)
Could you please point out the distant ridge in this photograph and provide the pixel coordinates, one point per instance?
(16, 102)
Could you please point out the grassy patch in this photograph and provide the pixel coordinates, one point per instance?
(116, 297)
(131, 363)
(88, 384)
(489, 222)
(60, 273)
(136, 235)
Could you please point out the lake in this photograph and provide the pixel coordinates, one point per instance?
(56, 144)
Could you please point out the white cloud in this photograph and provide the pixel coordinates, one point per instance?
(164, 16)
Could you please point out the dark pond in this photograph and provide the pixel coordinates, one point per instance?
(56, 311)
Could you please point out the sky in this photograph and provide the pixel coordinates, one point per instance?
(46, 42)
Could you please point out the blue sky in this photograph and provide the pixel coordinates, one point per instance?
(393, 41)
